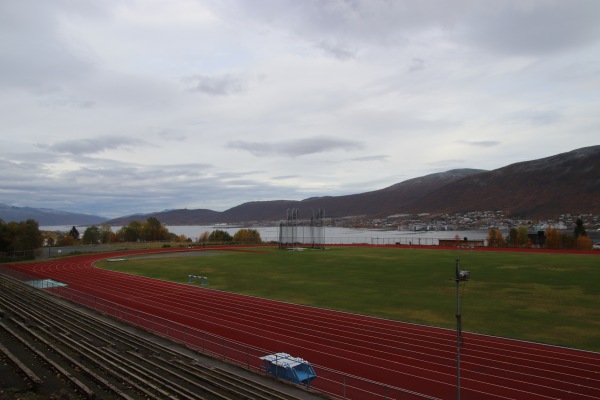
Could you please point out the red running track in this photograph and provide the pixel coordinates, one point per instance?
(413, 357)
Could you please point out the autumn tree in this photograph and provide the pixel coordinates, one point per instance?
(522, 236)
(512, 236)
(495, 238)
(108, 236)
(4, 238)
(552, 238)
(567, 241)
(203, 238)
(500, 242)
(584, 242)
(65, 240)
(92, 235)
(247, 236)
(130, 233)
(49, 239)
(491, 237)
(558, 240)
(20, 236)
(219, 236)
(152, 230)
(31, 235)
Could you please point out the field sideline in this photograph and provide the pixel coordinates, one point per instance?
(543, 297)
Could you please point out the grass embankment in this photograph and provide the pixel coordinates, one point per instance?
(548, 298)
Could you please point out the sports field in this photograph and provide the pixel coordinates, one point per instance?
(542, 297)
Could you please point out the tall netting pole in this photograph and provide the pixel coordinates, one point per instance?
(320, 228)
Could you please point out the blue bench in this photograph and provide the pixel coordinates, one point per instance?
(292, 369)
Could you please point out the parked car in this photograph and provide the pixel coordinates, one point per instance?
(596, 246)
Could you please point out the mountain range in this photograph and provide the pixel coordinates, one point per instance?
(47, 216)
(543, 188)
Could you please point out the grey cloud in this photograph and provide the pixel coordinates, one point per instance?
(8, 165)
(371, 158)
(34, 52)
(167, 134)
(93, 145)
(536, 117)
(67, 101)
(506, 26)
(338, 51)
(222, 85)
(296, 148)
(51, 95)
(227, 175)
(417, 64)
(480, 143)
(446, 163)
(338, 28)
(533, 28)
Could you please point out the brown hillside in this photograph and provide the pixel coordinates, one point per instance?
(548, 187)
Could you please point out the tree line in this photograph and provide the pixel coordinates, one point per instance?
(26, 236)
(242, 236)
(552, 239)
(20, 236)
(152, 230)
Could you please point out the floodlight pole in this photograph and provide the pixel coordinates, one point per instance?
(458, 332)
(460, 276)
(321, 215)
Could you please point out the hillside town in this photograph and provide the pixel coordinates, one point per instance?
(474, 220)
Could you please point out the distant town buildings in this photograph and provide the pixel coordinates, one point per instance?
(475, 220)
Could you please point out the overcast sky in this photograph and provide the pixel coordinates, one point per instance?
(119, 107)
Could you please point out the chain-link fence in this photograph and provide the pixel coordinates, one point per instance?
(14, 256)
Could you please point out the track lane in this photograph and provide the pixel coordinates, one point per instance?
(484, 358)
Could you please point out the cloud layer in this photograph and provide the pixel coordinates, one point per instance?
(112, 108)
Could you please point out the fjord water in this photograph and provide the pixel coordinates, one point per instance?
(332, 235)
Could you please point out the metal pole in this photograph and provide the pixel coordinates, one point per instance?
(287, 225)
(293, 229)
(296, 229)
(458, 332)
(323, 227)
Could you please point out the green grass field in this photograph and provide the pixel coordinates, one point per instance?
(547, 298)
